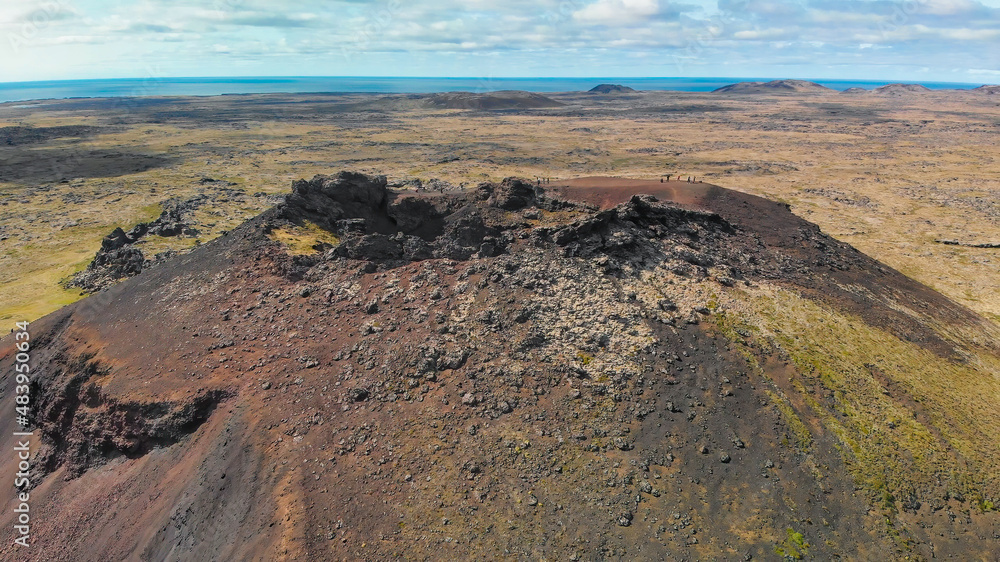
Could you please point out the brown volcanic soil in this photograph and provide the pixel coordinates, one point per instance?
(478, 375)
(608, 192)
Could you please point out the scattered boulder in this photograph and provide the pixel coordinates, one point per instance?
(512, 194)
(117, 239)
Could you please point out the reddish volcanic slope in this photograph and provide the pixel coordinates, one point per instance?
(478, 375)
(606, 192)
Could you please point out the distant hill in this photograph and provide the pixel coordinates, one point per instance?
(775, 86)
(611, 89)
(853, 91)
(900, 89)
(507, 99)
(992, 90)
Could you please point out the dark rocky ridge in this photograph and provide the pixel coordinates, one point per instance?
(119, 257)
(380, 225)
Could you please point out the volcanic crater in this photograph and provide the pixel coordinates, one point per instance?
(523, 370)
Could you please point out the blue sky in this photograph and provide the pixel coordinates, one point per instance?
(919, 40)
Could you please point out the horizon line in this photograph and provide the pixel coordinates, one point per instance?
(489, 78)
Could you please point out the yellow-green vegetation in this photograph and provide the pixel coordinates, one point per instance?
(33, 282)
(911, 423)
(32, 275)
(584, 358)
(148, 213)
(303, 240)
(713, 301)
(803, 439)
(793, 547)
(38, 291)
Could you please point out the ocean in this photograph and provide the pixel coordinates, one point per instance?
(133, 87)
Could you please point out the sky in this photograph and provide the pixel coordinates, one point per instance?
(915, 40)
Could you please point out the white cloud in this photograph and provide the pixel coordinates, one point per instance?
(948, 7)
(198, 37)
(618, 11)
(965, 34)
(73, 40)
(760, 34)
(36, 12)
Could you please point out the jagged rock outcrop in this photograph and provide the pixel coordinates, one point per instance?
(119, 258)
(118, 263)
(116, 260)
(173, 219)
(511, 195)
(326, 201)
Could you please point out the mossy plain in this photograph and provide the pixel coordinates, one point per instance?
(891, 176)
